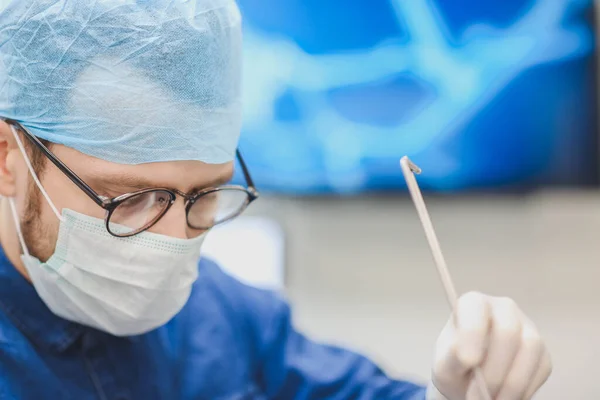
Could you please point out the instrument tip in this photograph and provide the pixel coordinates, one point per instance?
(413, 167)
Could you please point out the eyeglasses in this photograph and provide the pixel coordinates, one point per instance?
(132, 213)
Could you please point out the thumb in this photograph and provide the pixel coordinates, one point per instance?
(473, 324)
(462, 345)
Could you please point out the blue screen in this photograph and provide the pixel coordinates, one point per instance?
(480, 94)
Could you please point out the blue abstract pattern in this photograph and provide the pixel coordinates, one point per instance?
(480, 94)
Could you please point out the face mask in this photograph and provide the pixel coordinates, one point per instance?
(124, 286)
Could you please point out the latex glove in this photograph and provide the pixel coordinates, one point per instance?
(493, 333)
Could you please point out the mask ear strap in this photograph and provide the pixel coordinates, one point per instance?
(11, 201)
(33, 174)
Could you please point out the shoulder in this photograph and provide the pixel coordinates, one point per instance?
(218, 291)
(17, 358)
(218, 330)
(239, 311)
(229, 293)
(13, 344)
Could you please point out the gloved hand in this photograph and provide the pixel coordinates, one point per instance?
(494, 334)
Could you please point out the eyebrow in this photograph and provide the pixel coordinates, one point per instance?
(139, 183)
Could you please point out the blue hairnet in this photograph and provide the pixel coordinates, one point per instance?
(128, 81)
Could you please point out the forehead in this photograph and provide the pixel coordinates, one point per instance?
(182, 175)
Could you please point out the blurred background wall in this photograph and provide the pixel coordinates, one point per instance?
(496, 101)
(359, 273)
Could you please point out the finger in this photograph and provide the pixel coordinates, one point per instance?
(472, 319)
(462, 345)
(505, 341)
(525, 365)
(449, 375)
(541, 376)
(474, 391)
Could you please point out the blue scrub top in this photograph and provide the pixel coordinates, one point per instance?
(229, 342)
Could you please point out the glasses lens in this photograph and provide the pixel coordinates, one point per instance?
(218, 206)
(138, 212)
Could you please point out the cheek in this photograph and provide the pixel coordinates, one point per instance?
(42, 231)
(22, 180)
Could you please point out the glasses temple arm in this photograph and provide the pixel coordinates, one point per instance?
(60, 165)
(245, 171)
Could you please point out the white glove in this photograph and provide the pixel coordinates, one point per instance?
(494, 334)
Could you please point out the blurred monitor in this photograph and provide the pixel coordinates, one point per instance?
(481, 94)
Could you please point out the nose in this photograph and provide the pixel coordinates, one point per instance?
(173, 223)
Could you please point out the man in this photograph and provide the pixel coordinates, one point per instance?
(120, 121)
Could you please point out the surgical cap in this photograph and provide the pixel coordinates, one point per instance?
(128, 81)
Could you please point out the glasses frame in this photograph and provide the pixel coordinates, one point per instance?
(111, 204)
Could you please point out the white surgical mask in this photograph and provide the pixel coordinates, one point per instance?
(124, 286)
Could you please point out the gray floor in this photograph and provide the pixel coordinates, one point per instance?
(359, 273)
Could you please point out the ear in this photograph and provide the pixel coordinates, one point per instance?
(9, 150)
